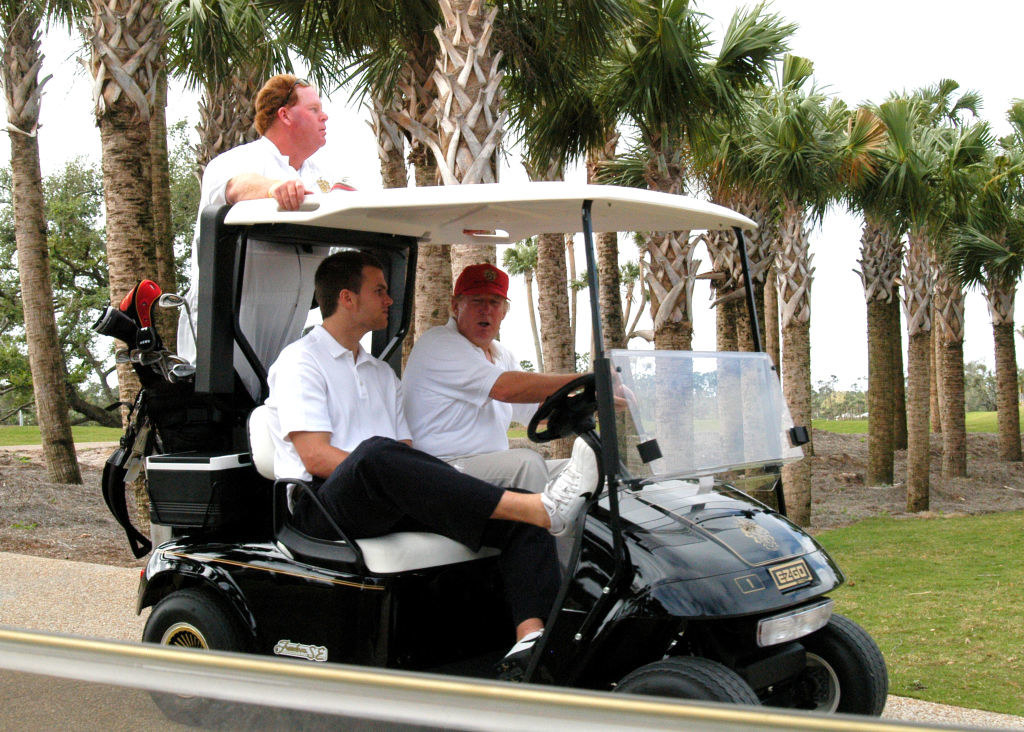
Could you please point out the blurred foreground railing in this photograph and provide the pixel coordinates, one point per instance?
(52, 681)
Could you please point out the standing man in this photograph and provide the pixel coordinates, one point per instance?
(336, 419)
(463, 388)
(279, 165)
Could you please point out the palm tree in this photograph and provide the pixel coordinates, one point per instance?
(881, 255)
(664, 80)
(963, 151)
(228, 50)
(960, 150)
(22, 89)
(125, 40)
(989, 251)
(910, 159)
(804, 145)
(163, 233)
(521, 259)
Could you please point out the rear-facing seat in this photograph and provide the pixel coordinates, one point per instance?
(399, 552)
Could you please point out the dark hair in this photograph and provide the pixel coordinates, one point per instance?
(340, 271)
(279, 91)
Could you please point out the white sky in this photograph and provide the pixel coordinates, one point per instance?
(861, 52)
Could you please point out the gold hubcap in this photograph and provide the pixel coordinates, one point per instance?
(184, 634)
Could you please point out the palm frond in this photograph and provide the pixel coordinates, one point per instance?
(627, 169)
(795, 70)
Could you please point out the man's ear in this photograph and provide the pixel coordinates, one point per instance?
(346, 299)
(283, 115)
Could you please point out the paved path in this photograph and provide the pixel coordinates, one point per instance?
(60, 596)
(99, 601)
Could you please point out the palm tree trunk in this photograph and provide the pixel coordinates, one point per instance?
(918, 442)
(899, 410)
(771, 317)
(880, 402)
(949, 327)
(725, 327)
(528, 276)
(415, 112)
(433, 264)
(935, 393)
(795, 275)
(163, 234)
(758, 244)
(672, 266)
(796, 387)
(613, 325)
(552, 289)
(22, 60)
(226, 114)
(878, 273)
(917, 304)
(570, 264)
(469, 105)
(722, 249)
(125, 39)
(1000, 303)
(553, 302)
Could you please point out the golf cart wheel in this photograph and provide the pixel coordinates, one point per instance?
(193, 619)
(845, 671)
(689, 677)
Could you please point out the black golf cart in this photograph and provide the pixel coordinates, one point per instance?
(677, 583)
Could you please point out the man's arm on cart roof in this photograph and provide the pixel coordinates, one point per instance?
(289, 194)
(318, 454)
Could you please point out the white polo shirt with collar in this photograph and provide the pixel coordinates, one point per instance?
(262, 158)
(447, 383)
(316, 386)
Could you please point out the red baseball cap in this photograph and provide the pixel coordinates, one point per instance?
(479, 279)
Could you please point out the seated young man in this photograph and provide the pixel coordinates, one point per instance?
(337, 420)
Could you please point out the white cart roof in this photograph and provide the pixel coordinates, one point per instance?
(493, 213)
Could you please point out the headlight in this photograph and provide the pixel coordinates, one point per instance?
(792, 625)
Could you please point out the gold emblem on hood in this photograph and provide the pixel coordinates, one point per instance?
(756, 533)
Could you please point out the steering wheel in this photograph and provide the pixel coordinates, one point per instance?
(569, 410)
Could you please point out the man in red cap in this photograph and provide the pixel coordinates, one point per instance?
(462, 388)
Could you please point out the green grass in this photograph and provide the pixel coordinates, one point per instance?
(976, 422)
(944, 599)
(29, 435)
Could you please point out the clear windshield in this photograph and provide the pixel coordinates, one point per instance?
(705, 413)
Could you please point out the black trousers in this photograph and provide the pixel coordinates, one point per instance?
(385, 486)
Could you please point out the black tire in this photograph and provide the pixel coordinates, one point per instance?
(689, 677)
(194, 619)
(845, 670)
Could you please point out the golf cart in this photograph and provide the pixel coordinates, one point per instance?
(677, 583)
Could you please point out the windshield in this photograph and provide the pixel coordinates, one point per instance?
(692, 414)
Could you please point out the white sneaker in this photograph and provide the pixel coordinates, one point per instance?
(565, 494)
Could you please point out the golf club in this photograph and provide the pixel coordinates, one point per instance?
(174, 300)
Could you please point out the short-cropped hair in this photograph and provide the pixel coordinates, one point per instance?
(279, 91)
(340, 271)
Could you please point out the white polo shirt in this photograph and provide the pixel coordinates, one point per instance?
(316, 386)
(262, 158)
(447, 382)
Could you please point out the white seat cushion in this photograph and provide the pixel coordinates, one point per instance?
(261, 444)
(401, 552)
(408, 550)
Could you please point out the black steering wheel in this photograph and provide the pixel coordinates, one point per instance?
(570, 410)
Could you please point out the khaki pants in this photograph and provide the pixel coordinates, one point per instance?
(521, 468)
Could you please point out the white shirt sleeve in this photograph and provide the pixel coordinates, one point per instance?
(521, 413)
(300, 396)
(455, 370)
(402, 431)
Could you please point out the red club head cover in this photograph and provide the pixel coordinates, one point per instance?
(146, 295)
(138, 303)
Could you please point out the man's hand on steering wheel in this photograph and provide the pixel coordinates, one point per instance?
(568, 410)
